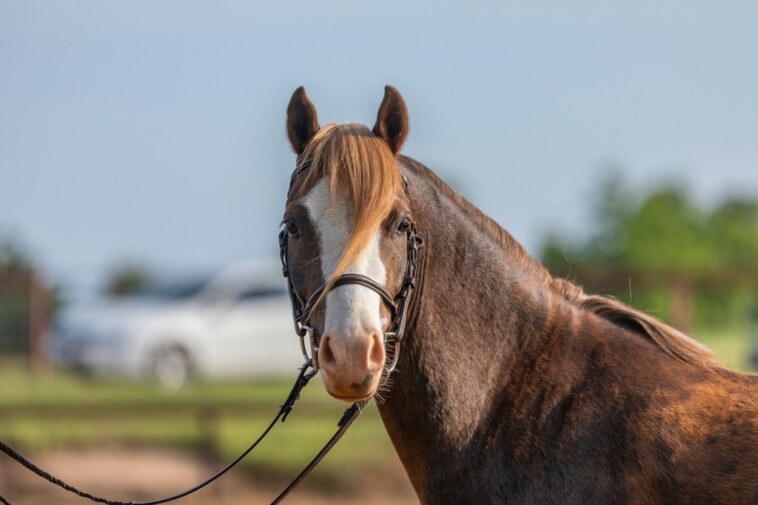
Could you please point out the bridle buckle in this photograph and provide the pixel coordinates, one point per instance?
(314, 341)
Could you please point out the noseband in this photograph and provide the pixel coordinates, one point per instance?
(302, 309)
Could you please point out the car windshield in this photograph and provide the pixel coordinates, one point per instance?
(173, 289)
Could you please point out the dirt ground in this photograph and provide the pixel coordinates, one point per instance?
(139, 473)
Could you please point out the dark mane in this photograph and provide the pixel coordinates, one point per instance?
(668, 339)
(490, 225)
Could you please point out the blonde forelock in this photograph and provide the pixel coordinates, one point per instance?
(361, 164)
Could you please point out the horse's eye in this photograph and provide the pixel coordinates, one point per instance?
(404, 226)
(291, 228)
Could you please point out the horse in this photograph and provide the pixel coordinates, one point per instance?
(512, 386)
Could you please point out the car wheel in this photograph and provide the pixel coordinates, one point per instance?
(172, 367)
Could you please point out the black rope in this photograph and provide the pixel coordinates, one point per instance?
(302, 380)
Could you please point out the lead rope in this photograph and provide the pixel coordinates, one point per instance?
(344, 423)
(284, 410)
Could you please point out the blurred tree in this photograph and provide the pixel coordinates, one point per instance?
(667, 241)
(613, 208)
(128, 278)
(26, 306)
(14, 319)
(733, 227)
(13, 254)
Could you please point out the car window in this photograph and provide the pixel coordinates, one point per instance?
(173, 288)
(260, 293)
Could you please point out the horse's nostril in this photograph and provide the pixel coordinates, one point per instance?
(327, 356)
(376, 352)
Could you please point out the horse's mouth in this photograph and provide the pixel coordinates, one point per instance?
(350, 398)
(347, 390)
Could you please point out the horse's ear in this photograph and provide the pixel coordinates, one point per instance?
(302, 121)
(392, 119)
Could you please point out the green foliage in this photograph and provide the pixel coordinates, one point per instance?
(663, 229)
(734, 226)
(14, 316)
(663, 235)
(666, 232)
(613, 208)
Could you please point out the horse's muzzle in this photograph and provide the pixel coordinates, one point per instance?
(351, 367)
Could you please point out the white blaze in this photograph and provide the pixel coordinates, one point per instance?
(351, 310)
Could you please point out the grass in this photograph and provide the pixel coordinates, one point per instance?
(62, 410)
(62, 389)
(732, 347)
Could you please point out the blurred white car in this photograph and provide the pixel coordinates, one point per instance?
(236, 323)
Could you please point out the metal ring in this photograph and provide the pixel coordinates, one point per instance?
(395, 357)
(305, 331)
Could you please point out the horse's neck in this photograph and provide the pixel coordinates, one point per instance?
(479, 314)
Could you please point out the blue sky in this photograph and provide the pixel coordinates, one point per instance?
(155, 130)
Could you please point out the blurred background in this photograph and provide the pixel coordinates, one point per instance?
(145, 335)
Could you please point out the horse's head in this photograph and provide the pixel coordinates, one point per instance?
(347, 213)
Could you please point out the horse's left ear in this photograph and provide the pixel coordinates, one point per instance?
(392, 119)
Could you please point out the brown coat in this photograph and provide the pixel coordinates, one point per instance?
(515, 387)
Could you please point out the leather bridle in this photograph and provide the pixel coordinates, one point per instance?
(302, 308)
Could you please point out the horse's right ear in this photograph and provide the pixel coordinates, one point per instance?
(302, 121)
(392, 119)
